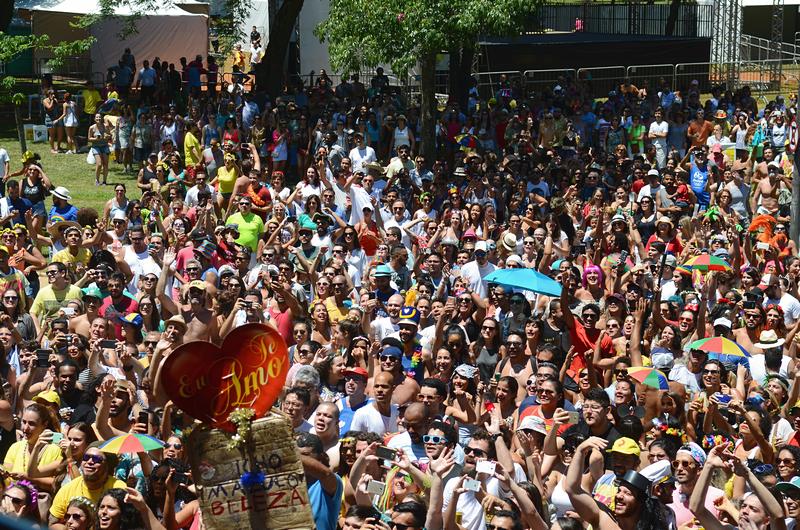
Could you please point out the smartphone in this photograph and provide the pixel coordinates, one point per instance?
(497, 376)
(43, 358)
(57, 437)
(451, 299)
(623, 257)
(180, 478)
(579, 249)
(291, 219)
(762, 246)
(486, 466)
(472, 485)
(376, 487)
(384, 453)
(574, 417)
(749, 304)
(371, 295)
(68, 311)
(108, 344)
(144, 418)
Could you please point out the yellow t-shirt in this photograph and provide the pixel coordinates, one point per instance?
(91, 100)
(335, 313)
(65, 256)
(49, 301)
(78, 488)
(227, 179)
(17, 456)
(189, 156)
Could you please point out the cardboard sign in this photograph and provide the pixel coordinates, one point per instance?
(281, 503)
(248, 371)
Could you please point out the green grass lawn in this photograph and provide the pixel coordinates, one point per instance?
(70, 171)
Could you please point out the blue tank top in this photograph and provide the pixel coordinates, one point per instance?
(698, 178)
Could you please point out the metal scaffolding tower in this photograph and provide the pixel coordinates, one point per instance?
(775, 64)
(725, 39)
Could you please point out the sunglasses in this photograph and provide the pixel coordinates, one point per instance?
(173, 446)
(387, 358)
(677, 464)
(474, 451)
(95, 459)
(73, 516)
(433, 439)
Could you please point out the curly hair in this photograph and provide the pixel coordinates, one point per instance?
(129, 516)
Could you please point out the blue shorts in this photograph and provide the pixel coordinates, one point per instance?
(101, 150)
(38, 209)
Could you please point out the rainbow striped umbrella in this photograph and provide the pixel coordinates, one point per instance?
(707, 262)
(649, 376)
(721, 346)
(131, 443)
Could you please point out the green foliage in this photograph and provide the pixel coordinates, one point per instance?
(398, 32)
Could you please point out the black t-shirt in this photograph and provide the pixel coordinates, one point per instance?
(7, 439)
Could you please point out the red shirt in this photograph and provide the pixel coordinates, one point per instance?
(112, 311)
(583, 340)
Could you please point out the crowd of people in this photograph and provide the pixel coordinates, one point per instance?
(423, 394)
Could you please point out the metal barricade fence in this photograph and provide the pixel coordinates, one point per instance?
(651, 75)
(489, 82)
(685, 73)
(539, 80)
(602, 79)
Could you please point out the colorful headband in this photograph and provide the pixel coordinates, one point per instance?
(673, 431)
(713, 440)
(33, 493)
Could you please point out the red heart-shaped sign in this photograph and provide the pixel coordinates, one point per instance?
(209, 383)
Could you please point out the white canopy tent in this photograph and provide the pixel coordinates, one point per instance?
(170, 33)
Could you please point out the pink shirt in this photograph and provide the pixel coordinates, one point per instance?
(680, 504)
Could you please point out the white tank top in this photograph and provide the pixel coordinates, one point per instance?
(560, 500)
(401, 137)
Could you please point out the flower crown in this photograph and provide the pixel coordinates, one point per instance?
(83, 501)
(713, 440)
(32, 491)
(673, 431)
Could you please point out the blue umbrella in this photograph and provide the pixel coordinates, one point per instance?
(527, 279)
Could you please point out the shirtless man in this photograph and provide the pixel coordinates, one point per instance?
(747, 336)
(82, 324)
(760, 171)
(200, 322)
(765, 196)
(390, 358)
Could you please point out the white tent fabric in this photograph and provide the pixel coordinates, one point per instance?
(170, 33)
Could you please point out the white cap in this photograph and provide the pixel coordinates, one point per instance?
(481, 245)
(513, 258)
(653, 173)
(533, 423)
(119, 216)
(722, 321)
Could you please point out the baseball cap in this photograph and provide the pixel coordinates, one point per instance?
(653, 173)
(480, 246)
(409, 315)
(792, 485)
(197, 284)
(723, 322)
(625, 446)
(48, 396)
(134, 319)
(533, 423)
(357, 371)
(92, 291)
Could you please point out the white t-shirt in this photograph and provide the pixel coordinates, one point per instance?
(368, 419)
(191, 195)
(471, 510)
(474, 274)
(659, 128)
(3, 159)
(790, 306)
(648, 191)
(140, 264)
(362, 157)
(382, 327)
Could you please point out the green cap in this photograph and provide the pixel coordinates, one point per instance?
(92, 291)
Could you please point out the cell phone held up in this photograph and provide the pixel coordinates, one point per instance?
(43, 357)
(384, 453)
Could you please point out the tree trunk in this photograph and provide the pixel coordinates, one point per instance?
(23, 145)
(672, 18)
(428, 110)
(460, 71)
(270, 71)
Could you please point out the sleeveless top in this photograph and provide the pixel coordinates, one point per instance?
(401, 137)
(697, 180)
(486, 361)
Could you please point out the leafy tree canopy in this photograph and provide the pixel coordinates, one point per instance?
(398, 32)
